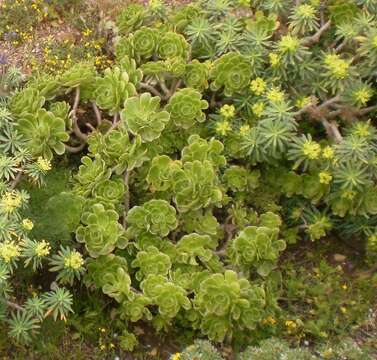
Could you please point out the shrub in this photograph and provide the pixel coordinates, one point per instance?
(203, 154)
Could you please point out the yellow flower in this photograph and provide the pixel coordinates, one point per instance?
(74, 260)
(258, 86)
(328, 152)
(302, 102)
(348, 194)
(10, 201)
(43, 164)
(290, 325)
(87, 32)
(269, 320)
(258, 109)
(27, 224)
(288, 43)
(228, 111)
(363, 95)
(338, 67)
(102, 347)
(9, 250)
(325, 177)
(344, 287)
(223, 127)
(343, 309)
(306, 11)
(274, 59)
(42, 249)
(275, 95)
(176, 356)
(311, 149)
(244, 129)
(362, 129)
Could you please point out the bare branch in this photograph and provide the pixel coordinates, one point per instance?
(126, 197)
(74, 149)
(16, 180)
(73, 114)
(317, 36)
(97, 113)
(151, 89)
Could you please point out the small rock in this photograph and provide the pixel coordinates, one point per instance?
(339, 257)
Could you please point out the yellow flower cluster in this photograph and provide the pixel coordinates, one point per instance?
(244, 129)
(306, 11)
(176, 356)
(269, 320)
(328, 152)
(42, 249)
(325, 177)
(27, 224)
(10, 201)
(275, 95)
(363, 129)
(258, 86)
(311, 150)
(74, 261)
(338, 67)
(9, 250)
(290, 325)
(302, 102)
(223, 127)
(363, 95)
(274, 59)
(228, 111)
(288, 43)
(258, 109)
(43, 164)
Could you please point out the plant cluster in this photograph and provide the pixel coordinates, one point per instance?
(204, 154)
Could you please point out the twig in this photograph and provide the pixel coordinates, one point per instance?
(317, 36)
(16, 180)
(97, 113)
(332, 130)
(74, 149)
(329, 102)
(14, 305)
(75, 126)
(151, 89)
(176, 84)
(165, 88)
(367, 110)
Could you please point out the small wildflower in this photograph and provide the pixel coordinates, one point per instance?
(269, 320)
(325, 177)
(102, 347)
(311, 149)
(9, 250)
(363, 95)
(258, 86)
(348, 194)
(274, 59)
(343, 309)
(344, 287)
(176, 356)
(275, 95)
(258, 109)
(10, 201)
(42, 249)
(74, 260)
(244, 129)
(228, 111)
(43, 164)
(27, 224)
(288, 43)
(223, 127)
(306, 11)
(338, 67)
(328, 152)
(303, 101)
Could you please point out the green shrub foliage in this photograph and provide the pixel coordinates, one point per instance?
(223, 132)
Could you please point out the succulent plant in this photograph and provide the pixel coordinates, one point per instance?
(195, 186)
(185, 108)
(100, 231)
(171, 45)
(142, 116)
(232, 72)
(43, 132)
(157, 217)
(196, 75)
(144, 42)
(113, 89)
